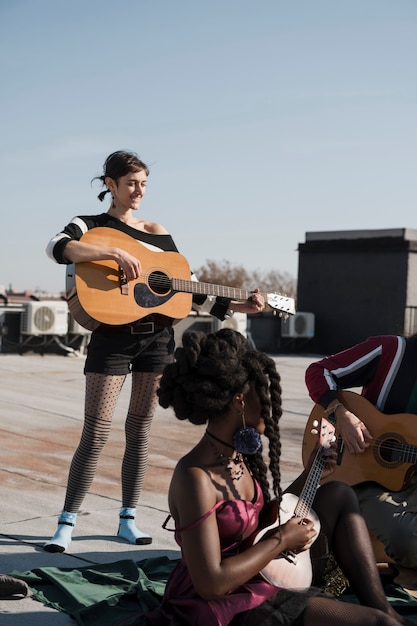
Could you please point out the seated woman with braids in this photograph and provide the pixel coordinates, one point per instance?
(219, 488)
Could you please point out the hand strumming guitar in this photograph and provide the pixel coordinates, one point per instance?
(78, 251)
(351, 428)
(296, 535)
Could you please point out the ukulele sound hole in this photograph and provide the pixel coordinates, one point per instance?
(159, 283)
(389, 450)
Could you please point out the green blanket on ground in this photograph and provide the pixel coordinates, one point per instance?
(112, 594)
(116, 594)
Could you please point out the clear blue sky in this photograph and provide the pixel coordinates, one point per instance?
(260, 120)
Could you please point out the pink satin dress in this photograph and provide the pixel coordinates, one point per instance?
(182, 606)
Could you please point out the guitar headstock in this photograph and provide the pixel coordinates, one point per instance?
(325, 431)
(281, 303)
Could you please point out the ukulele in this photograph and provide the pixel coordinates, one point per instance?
(289, 570)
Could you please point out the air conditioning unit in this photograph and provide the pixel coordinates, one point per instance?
(44, 318)
(74, 328)
(193, 321)
(298, 325)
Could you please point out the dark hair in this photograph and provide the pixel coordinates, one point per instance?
(208, 370)
(119, 164)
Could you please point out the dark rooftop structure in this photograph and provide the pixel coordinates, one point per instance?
(358, 283)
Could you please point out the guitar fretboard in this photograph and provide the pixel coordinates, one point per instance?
(207, 289)
(405, 452)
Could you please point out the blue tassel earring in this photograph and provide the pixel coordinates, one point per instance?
(247, 440)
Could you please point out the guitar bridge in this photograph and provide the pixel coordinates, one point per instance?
(123, 282)
(290, 557)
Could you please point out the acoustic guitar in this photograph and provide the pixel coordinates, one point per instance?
(289, 570)
(391, 458)
(98, 292)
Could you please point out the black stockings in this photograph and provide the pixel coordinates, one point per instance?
(138, 424)
(338, 510)
(102, 393)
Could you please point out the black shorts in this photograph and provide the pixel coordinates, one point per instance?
(118, 351)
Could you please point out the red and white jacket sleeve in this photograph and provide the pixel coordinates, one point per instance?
(357, 366)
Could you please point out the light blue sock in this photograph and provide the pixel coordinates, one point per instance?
(128, 530)
(62, 538)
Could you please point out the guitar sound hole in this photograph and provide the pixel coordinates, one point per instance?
(159, 283)
(390, 451)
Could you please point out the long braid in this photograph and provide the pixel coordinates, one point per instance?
(272, 431)
(268, 386)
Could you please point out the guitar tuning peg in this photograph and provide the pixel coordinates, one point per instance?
(314, 431)
(315, 423)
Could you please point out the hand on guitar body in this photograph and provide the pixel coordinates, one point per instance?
(296, 535)
(79, 251)
(350, 427)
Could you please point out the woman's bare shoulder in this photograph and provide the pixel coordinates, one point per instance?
(151, 227)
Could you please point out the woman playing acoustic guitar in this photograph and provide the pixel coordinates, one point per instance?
(142, 348)
(218, 491)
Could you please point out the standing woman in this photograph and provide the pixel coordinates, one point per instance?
(142, 348)
(219, 488)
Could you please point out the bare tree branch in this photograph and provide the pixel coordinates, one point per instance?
(224, 273)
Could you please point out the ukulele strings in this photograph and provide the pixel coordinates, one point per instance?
(309, 490)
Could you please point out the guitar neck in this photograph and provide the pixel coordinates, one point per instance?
(305, 501)
(405, 452)
(207, 289)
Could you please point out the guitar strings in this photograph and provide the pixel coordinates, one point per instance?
(391, 445)
(158, 279)
(196, 286)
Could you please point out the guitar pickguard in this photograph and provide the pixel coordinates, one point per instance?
(147, 299)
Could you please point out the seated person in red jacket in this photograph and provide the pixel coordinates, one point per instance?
(385, 368)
